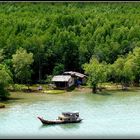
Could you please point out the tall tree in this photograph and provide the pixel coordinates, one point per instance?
(5, 80)
(22, 65)
(67, 47)
(123, 70)
(97, 73)
(58, 69)
(136, 62)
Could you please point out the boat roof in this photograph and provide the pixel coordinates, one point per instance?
(76, 112)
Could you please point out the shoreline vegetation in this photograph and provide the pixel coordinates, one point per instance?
(48, 39)
(103, 89)
(46, 89)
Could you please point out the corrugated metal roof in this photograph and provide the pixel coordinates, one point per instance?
(75, 73)
(61, 78)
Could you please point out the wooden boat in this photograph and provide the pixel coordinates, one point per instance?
(66, 117)
(2, 106)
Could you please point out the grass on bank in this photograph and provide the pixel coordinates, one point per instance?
(54, 91)
(34, 89)
(47, 89)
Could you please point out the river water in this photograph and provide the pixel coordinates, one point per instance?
(109, 115)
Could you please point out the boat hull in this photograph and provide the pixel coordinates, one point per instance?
(57, 121)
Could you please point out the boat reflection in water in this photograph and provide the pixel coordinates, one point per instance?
(65, 117)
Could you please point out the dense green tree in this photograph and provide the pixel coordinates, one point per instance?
(5, 80)
(68, 50)
(58, 69)
(97, 73)
(22, 65)
(61, 33)
(122, 71)
(136, 62)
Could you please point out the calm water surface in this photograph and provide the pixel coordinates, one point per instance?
(107, 115)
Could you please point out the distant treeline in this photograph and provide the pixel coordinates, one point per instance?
(64, 36)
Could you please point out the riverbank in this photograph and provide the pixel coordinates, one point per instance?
(107, 87)
(21, 97)
(46, 89)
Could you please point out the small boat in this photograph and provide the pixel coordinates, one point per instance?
(65, 117)
(2, 106)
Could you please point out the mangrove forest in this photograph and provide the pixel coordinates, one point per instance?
(39, 40)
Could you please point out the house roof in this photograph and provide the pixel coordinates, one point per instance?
(75, 74)
(61, 78)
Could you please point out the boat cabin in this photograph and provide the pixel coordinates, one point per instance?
(69, 116)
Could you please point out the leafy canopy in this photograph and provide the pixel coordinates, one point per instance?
(22, 65)
(97, 72)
